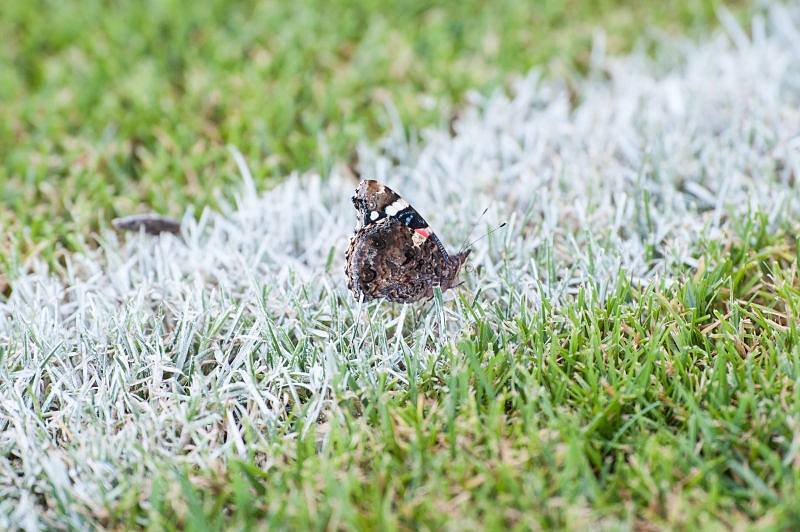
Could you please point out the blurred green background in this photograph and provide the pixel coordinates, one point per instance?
(109, 108)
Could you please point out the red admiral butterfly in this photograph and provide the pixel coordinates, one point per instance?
(393, 253)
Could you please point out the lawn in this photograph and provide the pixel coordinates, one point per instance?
(623, 354)
(113, 108)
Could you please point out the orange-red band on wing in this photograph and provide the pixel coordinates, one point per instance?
(422, 232)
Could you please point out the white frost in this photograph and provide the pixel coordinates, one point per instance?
(174, 348)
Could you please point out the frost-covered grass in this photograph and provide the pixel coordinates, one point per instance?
(624, 352)
(110, 109)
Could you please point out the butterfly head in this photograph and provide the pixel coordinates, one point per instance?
(457, 260)
(454, 264)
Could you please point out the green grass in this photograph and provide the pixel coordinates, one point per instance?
(111, 108)
(667, 406)
(673, 406)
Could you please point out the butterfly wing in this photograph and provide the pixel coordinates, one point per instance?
(394, 253)
(390, 260)
(376, 202)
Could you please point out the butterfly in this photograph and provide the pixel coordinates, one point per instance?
(393, 253)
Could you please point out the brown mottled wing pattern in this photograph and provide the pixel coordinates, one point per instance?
(394, 254)
(385, 260)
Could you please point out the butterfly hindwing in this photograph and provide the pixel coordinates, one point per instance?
(387, 260)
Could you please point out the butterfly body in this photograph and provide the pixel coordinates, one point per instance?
(393, 253)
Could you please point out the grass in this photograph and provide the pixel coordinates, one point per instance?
(110, 110)
(622, 355)
(661, 406)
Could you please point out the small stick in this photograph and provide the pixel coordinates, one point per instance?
(153, 224)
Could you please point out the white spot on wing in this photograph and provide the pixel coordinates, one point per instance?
(373, 215)
(396, 207)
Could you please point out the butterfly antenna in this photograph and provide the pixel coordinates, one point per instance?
(474, 225)
(485, 235)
